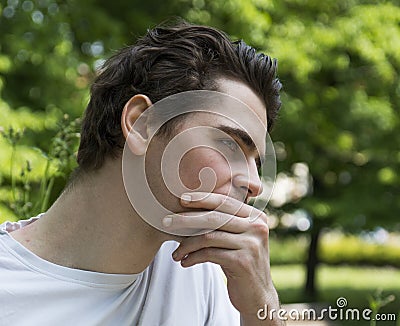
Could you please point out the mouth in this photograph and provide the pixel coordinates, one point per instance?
(242, 197)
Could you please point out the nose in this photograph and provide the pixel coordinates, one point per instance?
(249, 180)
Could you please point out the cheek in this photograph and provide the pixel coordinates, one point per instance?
(197, 159)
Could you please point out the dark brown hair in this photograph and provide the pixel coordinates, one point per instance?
(166, 61)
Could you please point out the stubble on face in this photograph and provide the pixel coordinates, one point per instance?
(192, 162)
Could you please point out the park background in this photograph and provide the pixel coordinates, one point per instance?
(334, 214)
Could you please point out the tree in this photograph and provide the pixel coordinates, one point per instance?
(339, 61)
(340, 64)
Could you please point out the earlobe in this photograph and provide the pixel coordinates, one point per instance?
(134, 130)
(137, 144)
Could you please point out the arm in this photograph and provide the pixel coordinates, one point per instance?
(262, 316)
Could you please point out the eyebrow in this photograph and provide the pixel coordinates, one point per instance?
(244, 138)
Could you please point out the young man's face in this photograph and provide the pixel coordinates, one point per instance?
(211, 152)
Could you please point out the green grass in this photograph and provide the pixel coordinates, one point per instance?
(356, 284)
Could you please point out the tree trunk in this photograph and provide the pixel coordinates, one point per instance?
(312, 263)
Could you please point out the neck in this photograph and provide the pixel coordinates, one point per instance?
(92, 226)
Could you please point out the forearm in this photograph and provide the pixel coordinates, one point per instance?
(266, 314)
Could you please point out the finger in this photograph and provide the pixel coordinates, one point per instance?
(204, 222)
(221, 203)
(226, 258)
(217, 239)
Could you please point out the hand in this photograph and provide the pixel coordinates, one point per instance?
(239, 244)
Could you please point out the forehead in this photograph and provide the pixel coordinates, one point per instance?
(237, 107)
(245, 94)
(237, 102)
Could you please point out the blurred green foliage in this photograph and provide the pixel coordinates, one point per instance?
(339, 62)
(352, 250)
(336, 249)
(377, 301)
(20, 197)
(340, 65)
(288, 250)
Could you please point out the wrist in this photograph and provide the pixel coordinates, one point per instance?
(265, 312)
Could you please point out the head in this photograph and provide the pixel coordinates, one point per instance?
(166, 61)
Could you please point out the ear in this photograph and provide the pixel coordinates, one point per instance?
(135, 137)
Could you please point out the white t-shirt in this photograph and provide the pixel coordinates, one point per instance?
(35, 292)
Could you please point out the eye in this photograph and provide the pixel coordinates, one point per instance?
(231, 144)
(258, 163)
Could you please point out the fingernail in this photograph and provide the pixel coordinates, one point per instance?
(186, 198)
(167, 221)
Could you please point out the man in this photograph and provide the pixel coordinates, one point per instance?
(94, 259)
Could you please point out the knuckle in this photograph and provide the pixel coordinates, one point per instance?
(228, 202)
(262, 229)
(209, 237)
(216, 219)
(221, 200)
(211, 218)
